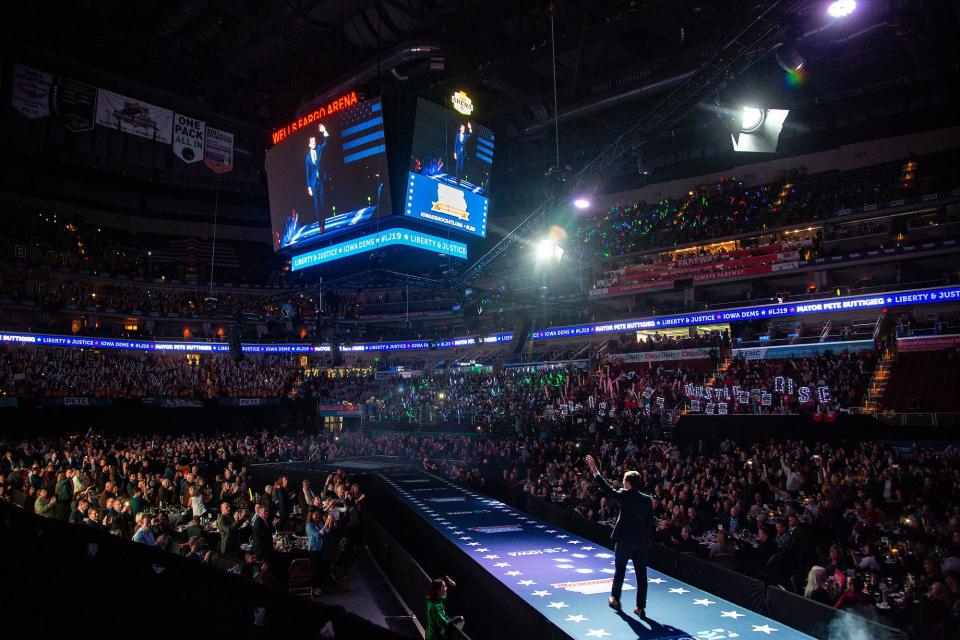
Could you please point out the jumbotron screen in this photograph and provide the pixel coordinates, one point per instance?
(449, 178)
(327, 172)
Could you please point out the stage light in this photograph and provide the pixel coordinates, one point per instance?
(841, 8)
(548, 250)
(759, 129)
(581, 203)
(751, 119)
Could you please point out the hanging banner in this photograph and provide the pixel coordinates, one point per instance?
(75, 103)
(30, 94)
(134, 116)
(188, 135)
(218, 151)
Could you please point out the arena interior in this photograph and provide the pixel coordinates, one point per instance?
(480, 319)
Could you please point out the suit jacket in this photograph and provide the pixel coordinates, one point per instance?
(635, 524)
(283, 503)
(227, 526)
(261, 539)
(314, 168)
(460, 144)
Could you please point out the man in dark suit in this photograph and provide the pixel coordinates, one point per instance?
(631, 535)
(261, 538)
(316, 175)
(464, 133)
(227, 525)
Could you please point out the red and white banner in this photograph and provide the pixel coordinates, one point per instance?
(188, 135)
(30, 94)
(133, 116)
(218, 150)
(928, 343)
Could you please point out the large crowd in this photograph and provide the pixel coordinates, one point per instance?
(867, 526)
(557, 395)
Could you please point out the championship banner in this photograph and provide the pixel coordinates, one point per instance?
(75, 103)
(218, 151)
(188, 135)
(30, 94)
(134, 116)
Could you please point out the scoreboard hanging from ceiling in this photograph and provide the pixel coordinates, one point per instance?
(330, 191)
(451, 160)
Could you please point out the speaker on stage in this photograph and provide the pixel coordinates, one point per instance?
(236, 350)
(337, 355)
(521, 334)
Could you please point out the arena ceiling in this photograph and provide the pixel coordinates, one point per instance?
(256, 60)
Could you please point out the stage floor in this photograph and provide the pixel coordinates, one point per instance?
(565, 579)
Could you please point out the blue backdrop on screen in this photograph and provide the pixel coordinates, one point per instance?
(450, 165)
(324, 181)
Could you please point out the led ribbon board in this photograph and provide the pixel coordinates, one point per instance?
(848, 303)
(372, 242)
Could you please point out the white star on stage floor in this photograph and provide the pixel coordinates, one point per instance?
(731, 614)
(764, 628)
(502, 564)
(526, 583)
(471, 544)
(492, 556)
(588, 548)
(564, 566)
(550, 531)
(584, 570)
(573, 542)
(577, 618)
(578, 555)
(656, 580)
(541, 594)
(514, 573)
(481, 549)
(603, 555)
(597, 633)
(704, 601)
(608, 570)
(557, 605)
(679, 590)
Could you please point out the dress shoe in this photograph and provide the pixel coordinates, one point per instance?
(613, 602)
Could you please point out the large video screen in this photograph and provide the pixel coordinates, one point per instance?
(328, 173)
(449, 178)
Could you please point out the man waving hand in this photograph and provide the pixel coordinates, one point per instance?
(631, 534)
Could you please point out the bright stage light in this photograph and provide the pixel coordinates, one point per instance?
(759, 129)
(548, 250)
(581, 203)
(751, 119)
(841, 8)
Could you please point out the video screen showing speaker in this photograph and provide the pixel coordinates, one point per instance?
(449, 178)
(327, 172)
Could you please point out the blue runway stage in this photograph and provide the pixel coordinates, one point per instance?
(565, 579)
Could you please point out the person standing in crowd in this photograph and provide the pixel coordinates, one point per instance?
(438, 625)
(316, 543)
(631, 534)
(261, 537)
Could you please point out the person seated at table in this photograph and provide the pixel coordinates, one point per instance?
(194, 529)
(144, 534)
(766, 548)
(723, 550)
(866, 558)
(686, 543)
(816, 588)
(934, 618)
(853, 598)
(836, 561)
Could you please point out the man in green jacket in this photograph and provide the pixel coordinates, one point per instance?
(45, 506)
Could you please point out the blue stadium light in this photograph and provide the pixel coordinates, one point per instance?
(841, 8)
